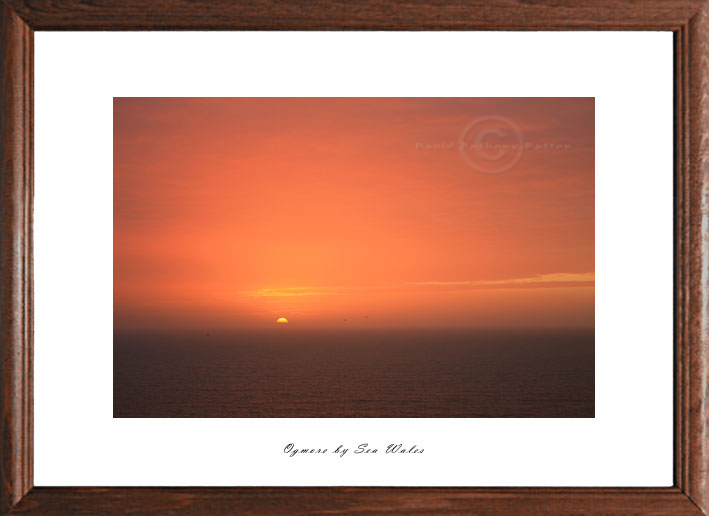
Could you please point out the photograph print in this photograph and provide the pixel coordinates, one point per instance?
(353, 257)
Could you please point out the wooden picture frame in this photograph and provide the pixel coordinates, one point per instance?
(689, 22)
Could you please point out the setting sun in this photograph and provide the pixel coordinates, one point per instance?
(282, 320)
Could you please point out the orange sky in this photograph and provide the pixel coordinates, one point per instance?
(230, 213)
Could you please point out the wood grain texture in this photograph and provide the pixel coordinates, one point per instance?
(688, 19)
(695, 418)
(354, 15)
(360, 501)
(15, 257)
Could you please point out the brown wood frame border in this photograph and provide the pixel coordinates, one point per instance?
(687, 19)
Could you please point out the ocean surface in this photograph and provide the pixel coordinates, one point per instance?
(286, 372)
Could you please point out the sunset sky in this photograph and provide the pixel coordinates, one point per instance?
(333, 213)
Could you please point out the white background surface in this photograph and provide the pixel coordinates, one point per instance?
(77, 442)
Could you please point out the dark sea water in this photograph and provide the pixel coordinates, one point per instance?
(287, 372)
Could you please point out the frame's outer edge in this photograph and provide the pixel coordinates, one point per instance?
(355, 501)
(354, 15)
(696, 449)
(16, 189)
